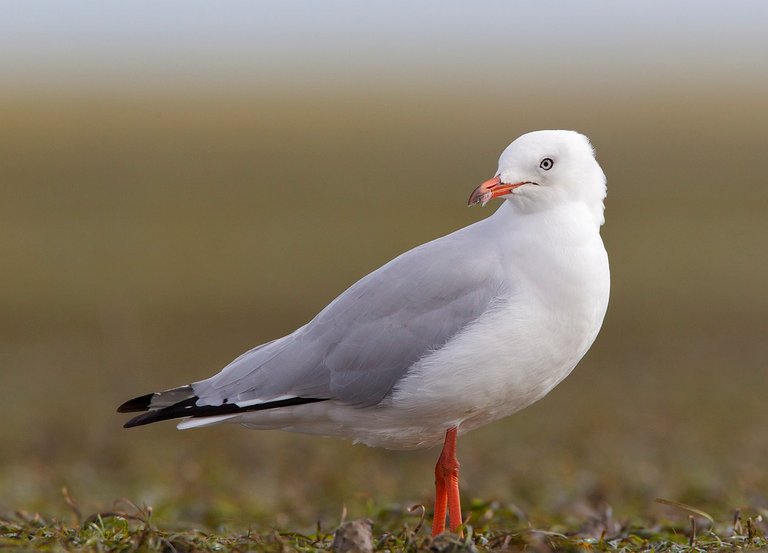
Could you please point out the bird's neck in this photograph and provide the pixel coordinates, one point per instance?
(577, 212)
(561, 244)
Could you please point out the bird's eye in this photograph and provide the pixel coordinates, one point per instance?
(546, 163)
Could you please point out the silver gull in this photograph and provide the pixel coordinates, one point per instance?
(451, 335)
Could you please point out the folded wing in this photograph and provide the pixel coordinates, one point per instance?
(362, 343)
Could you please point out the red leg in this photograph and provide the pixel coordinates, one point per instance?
(447, 486)
(441, 502)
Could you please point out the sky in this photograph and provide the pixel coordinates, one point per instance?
(142, 43)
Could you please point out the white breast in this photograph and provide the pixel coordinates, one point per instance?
(551, 312)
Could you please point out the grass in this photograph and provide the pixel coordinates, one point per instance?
(489, 527)
(151, 239)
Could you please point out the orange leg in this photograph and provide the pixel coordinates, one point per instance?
(447, 486)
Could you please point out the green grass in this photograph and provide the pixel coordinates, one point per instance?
(489, 527)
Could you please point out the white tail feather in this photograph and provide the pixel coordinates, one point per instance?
(199, 422)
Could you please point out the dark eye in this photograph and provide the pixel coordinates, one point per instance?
(546, 163)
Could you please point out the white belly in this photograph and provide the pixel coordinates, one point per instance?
(495, 367)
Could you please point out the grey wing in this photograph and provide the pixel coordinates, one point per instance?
(363, 342)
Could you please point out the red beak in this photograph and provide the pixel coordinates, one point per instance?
(492, 188)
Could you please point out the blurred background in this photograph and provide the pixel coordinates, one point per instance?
(184, 180)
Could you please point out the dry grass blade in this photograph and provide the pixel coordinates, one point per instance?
(72, 505)
(423, 516)
(685, 507)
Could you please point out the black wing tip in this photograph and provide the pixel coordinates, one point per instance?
(140, 403)
(141, 420)
(178, 410)
(188, 408)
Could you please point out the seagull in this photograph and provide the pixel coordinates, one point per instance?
(449, 336)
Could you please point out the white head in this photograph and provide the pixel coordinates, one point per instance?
(544, 169)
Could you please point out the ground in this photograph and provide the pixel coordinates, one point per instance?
(490, 527)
